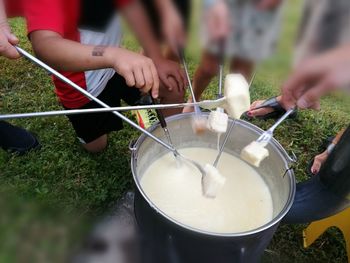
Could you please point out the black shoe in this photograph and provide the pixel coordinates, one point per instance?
(17, 140)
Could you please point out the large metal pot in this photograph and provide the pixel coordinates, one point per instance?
(167, 241)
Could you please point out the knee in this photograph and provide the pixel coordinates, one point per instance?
(174, 96)
(209, 69)
(97, 145)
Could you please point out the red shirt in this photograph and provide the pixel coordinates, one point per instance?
(63, 17)
(13, 8)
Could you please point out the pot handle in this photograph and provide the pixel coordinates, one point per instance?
(291, 162)
(133, 146)
(292, 158)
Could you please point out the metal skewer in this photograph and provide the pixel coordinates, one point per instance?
(163, 123)
(223, 144)
(183, 60)
(205, 104)
(266, 137)
(87, 94)
(222, 43)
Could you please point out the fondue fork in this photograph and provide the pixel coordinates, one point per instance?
(266, 137)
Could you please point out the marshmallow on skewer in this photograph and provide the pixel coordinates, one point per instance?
(254, 153)
(237, 95)
(212, 181)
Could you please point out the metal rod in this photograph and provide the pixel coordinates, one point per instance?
(87, 94)
(285, 116)
(221, 69)
(99, 110)
(224, 143)
(222, 52)
(182, 57)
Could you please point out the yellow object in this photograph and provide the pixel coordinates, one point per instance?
(317, 228)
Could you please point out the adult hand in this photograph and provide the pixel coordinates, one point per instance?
(171, 75)
(7, 40)
(139, 71)
(217, 21)
(268, 4)
(173, 28)
(316, 77)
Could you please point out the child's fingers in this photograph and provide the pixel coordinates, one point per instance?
(155, 77)
(172, 81)
(12, 38)
(179, 80)
(139, 78)
(170, 85)
(147, 75)
(6, 48)
(129, 78)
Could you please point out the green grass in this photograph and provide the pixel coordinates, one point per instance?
(49, 197)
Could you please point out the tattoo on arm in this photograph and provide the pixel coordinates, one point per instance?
(98, 51)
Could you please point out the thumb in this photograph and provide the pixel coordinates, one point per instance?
(12, 38)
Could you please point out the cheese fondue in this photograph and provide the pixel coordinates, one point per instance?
(244, 203)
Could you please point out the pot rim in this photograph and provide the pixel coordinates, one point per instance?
(275, 220)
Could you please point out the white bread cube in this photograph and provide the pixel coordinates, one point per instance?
(254, 153)
(237, 95)
(217, 121)
(212, 181)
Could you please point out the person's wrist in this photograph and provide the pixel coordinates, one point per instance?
(111, 54)
(155, 56)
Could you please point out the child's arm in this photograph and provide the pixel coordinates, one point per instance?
(137, 19)
(63, 54)
(172, 24)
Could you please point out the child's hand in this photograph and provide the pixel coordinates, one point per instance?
(137, 70)
(171, 75)
(317, 77)
(268, 4)
(7, 40)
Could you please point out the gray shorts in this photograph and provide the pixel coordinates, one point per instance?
(254, 33)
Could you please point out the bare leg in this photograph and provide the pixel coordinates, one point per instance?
(97, 145)
(205, 72)
(245, 67)
(174, 96)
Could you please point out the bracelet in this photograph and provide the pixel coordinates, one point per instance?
(330, 148)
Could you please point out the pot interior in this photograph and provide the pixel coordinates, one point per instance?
(274, 170)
